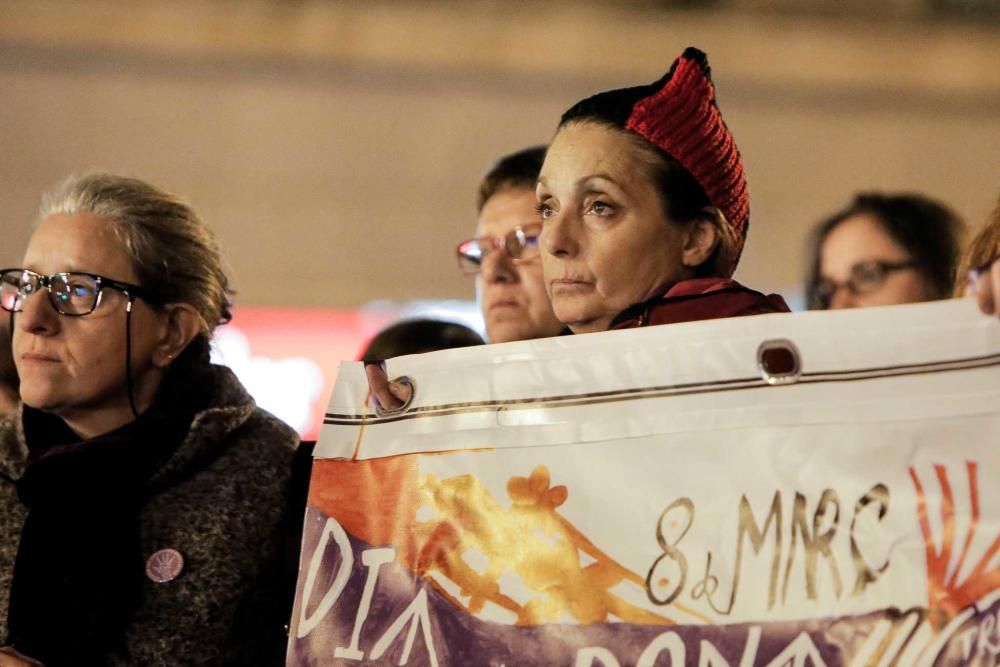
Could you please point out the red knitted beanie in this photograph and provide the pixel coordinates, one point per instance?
(679, 115)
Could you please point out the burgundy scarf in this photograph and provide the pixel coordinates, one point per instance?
(700, 299)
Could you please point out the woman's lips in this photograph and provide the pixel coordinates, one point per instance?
(569, 285)
(502, 304)
(35, 357)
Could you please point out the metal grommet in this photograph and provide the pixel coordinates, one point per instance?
(779, 361)
(404, 380)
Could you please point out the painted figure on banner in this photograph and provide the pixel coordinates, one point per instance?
(463, 558)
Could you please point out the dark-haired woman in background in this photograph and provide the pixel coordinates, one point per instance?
(884, 249)
(141, 489)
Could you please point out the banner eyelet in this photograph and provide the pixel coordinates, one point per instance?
(779, 362)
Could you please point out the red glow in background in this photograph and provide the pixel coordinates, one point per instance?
(279, 344)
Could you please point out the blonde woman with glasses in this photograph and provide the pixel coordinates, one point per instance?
(141, 489)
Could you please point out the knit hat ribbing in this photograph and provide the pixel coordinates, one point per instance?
(679, 115)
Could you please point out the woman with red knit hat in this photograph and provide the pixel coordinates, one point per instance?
(645, 212)
(645, 208)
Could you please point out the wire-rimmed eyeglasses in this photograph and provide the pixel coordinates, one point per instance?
(865, 277)
(520, 244)
(71, 293)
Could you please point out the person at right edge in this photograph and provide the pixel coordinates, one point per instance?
(979, 266)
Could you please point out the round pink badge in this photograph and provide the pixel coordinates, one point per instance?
(164, 565)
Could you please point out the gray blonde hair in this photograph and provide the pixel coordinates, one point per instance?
(171, 250)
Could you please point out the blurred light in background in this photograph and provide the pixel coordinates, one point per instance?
(288, 357)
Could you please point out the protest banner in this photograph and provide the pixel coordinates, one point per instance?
(807, 489)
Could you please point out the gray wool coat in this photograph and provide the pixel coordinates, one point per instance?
(224, 492)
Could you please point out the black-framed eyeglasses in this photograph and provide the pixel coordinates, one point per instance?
(520, 244)
(865, 277)
(71, 293)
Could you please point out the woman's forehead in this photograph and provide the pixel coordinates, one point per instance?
(858, 238)
(506, 210)
(77, 242)
(589, 150)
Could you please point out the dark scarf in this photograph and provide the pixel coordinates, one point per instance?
(79, 569)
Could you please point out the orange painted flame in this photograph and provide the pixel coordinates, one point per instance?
(946, 595)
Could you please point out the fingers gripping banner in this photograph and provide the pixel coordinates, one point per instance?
(667, 496)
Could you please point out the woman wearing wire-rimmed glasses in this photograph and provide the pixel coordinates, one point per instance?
(884, 249)
(504, 254)
(141, 490)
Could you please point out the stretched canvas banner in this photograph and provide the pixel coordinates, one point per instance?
(807, 489)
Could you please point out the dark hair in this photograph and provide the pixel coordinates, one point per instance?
(928, 231)
(517, 170)
(418, 336)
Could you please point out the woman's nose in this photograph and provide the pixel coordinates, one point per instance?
(558, 236)
(37, 314)
(498, 267)
(842, 298)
